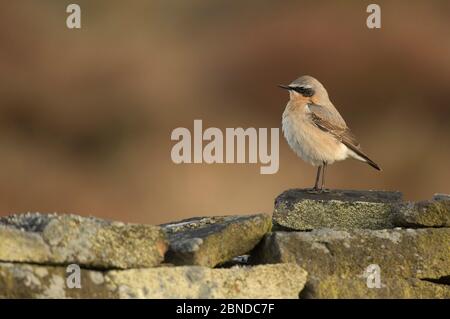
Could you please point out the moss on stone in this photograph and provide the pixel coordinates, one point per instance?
(434, 213)
(341, 258)
(300, 210)
(90, 242)
(210, 241)
(265, 281)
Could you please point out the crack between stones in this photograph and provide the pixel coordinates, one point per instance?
(307, 292)
(419, 226)
(63, 265)
(443, 280)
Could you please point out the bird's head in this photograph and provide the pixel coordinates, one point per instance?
(308, 89)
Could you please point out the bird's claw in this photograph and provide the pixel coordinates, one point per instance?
(314, 191)
(318, 190)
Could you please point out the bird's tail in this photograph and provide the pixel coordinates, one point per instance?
(359, 155)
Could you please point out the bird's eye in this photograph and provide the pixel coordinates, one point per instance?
(306, 92)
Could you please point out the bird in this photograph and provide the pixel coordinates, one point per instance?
(316, 131)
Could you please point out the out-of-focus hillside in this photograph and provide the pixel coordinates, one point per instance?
(86, 115)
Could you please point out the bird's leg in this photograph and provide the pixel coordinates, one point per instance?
(315, 189)
(316, 185)
(324, 168)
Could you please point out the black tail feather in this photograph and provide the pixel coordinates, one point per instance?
(364, 156)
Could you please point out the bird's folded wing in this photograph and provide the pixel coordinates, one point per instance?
(332, 123)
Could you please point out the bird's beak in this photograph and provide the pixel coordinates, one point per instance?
(287, 87)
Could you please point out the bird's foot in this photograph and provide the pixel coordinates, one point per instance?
(316, 190)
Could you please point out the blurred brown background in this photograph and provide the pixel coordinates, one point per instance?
(86, 115)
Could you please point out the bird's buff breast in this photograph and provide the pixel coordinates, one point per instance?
(309, 142)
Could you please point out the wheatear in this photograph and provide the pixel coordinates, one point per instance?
(315, 130)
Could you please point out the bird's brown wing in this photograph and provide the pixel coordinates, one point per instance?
(332, 123)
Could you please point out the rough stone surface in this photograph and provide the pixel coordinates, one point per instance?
(209, 241)
(297, 209)
(413, 262)
(346, 239)
(90, 242)
(434, 213)
(405, 288)
(440, 196)
(19, 280)
(266, 281)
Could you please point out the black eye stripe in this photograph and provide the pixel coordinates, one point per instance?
(306, 92)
